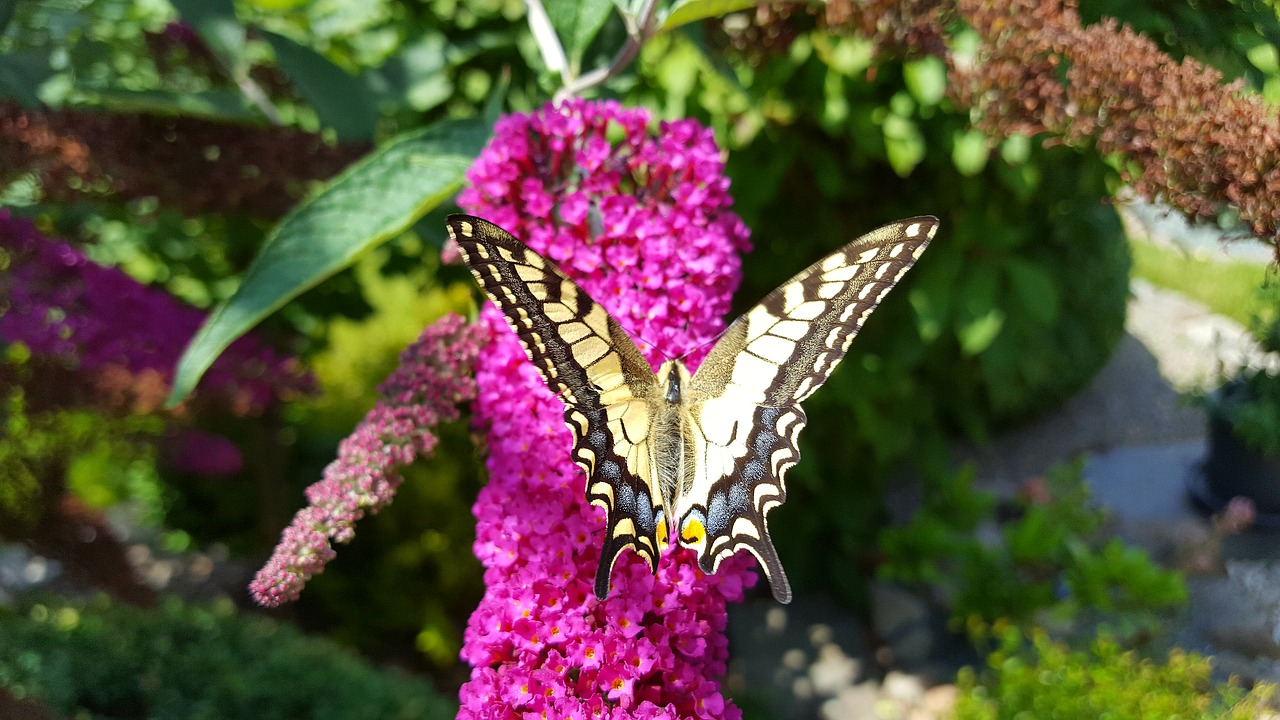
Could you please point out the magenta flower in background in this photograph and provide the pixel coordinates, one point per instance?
(102, 322)
(642, 223)
(435, 376)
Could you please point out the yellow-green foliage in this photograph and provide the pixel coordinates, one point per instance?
(1049, 680)
(411, 569)
(359, 354)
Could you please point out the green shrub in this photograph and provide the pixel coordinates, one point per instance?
(101, 661)
(1050, 680)
(1050, 558)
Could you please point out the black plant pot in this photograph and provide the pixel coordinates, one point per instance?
(1233, 468)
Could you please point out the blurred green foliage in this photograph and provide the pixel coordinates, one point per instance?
(98, 660)
(1045, 678)
(106, 461)
(1046, 560)
(1015, 306)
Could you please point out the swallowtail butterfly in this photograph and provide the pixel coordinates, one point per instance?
(703, 453)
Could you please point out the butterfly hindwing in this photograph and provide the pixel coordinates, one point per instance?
(745, 419)
(739, 454)
(609, 390)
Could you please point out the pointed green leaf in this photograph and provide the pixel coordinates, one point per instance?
(215, 22)
(344, 102)
(371, 201)
(684, 12)
(576, 23)
(215, 104)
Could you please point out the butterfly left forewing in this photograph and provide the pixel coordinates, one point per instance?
(765, 364)
(585, 357)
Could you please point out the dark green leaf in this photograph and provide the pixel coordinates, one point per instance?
(1034, 286)
(576, 23)
(212, 104)
(6, 13)
(978, 318)
(343, 102)
(21, 75)
(371, 201)
(497, 98)
(215, 22)
(416, 75)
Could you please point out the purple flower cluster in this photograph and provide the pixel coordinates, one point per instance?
(102, 322)
(642, 223)
(434, 377)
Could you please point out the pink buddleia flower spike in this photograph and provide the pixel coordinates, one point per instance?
(434, 377)
(641, 221)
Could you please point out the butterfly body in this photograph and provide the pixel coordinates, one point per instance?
(701, 454)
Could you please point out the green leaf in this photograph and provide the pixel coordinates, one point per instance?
(497, 98)
(849, 56)
(978, 319)
(6, 13)
(416, 74)
(576, 23)
(343, 102)
(1264, 57)
(22, 74)
(969, 152)
(1035, 288)
(683, 12)
(978, 334)
(1271, 90)
(903, 143)
(926, 79)
(212, 104)
(1016, 149)
(373, 200)
(215, 22)
(932, 294)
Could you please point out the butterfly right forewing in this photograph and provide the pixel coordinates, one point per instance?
(745, 417)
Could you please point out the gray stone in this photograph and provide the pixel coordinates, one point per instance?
(794, 658)
(901, 686)
(904, 621)
(856, 702)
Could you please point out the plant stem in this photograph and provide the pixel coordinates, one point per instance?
(548, 44)
(638, 31)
